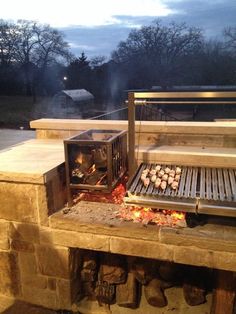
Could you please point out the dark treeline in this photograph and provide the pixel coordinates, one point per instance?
(35, 58)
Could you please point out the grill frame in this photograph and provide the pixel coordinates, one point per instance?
(116, 153)
(201, 190)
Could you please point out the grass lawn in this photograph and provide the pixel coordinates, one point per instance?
(17, 111)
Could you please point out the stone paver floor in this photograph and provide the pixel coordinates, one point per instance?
(9, 137)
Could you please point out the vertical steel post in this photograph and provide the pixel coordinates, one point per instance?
(131, 133)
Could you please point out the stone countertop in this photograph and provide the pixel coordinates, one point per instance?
(174, 127)
(95, 226)
(32, 161)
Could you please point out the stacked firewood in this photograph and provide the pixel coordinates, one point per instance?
(110, 278)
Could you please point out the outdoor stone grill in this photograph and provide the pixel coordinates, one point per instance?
(44, 246)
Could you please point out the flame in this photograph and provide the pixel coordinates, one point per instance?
(144, 215)
(178, 215)
(79, 158)
(92, 169)
(147, 215)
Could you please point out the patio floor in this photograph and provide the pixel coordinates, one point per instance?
(9, 137)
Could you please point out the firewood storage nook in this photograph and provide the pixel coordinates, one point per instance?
(85, 256)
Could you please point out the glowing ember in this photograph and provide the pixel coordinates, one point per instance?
(144, 215)
(153, 216)
(116, 197)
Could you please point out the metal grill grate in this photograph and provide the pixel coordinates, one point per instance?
(209, 190)
(187, 184)
(218, 184)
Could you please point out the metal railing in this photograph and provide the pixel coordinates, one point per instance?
(119, 114)
(149, 114)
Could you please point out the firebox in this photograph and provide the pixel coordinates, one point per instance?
(95, 160)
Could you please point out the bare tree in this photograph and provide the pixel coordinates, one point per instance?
(33, 48)
(40, 46)
(157, 52)
(9, 39)
(230, 38)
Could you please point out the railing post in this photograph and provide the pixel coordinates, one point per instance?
(131, 133)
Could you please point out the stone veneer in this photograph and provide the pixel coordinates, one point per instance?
(40, 245)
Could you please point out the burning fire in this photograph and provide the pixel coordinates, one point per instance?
(144, 215)
(92, 169)
(116, 197)
(79, 159)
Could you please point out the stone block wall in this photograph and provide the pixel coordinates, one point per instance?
(38, 273)
(32, 268)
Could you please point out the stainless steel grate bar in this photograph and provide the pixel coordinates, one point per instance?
(214, 184)
(221, 184)
(232, 176)
(202, 183)
(207, 184)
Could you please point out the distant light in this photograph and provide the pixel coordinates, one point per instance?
(65, 78)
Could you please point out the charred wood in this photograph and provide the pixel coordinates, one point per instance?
(154, 293)
(89, 267)
(105, 292)
(90, 260)
(170, 273)
(88, 275)
(224, 293)
(87, 290)
(195, 285)
(113, 269)
(144, 270)
(100, 157)
(94, 177)
(127, 294)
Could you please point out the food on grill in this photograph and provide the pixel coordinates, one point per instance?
(178, 170)
(163, 185)
(158, 168)
(170, 180)
(153, 172)
(157, 183)
(161, 173)
(145, 171)
(177, 177)
(164, 177)
(146, 182)
(167, 170)
(172, 173)
(161, 177)
(143, 176)
(175, 185)
(153, 178)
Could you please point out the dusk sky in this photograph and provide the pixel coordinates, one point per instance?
(96, 27)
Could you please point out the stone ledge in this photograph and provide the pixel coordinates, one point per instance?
(147, 126)
(210, 245)
(211, 236)
(99, 218)
(33, 161)
(188, 155)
